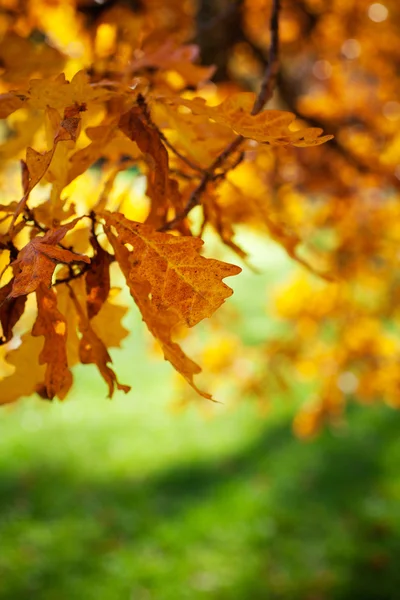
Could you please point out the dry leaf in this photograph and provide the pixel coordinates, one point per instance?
(51, 324)
(11, 309)
(93, 351)
(98, 279)
(159, 324)
(38, 259)
(180, 279)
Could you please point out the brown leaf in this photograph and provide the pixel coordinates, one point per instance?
(11, 309)
(93, 351)
(37, 165)
(180, 279)
(98, 279)
(38, 259)
(52, 325)
(9, 103)
(135, 127)
(159, 324)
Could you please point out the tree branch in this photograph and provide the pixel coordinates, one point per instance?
(265, 93)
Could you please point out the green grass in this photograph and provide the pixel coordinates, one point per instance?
(122, 499)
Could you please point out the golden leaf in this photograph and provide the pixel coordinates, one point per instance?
(9, 103)
(60, 93)
(180, 279)
(160, 324)
(28, 373)
(270, 126)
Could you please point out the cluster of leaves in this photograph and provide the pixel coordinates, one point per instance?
(132, 96)
(117, 112)
(339, 203)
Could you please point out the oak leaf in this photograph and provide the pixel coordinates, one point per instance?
(38, 259)
(9, 103)
(180, 279)
(270, 126)
(178, 59)
(51, 324)
(28, 374)
(11, 309)
(92, 349)
(159, 185)
(160, 324)
(107, 324)
(60, 93)
(98, 279)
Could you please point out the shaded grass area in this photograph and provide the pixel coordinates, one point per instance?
(119, 500)
(272, 518)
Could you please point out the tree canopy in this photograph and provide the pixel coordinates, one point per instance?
(280, 116)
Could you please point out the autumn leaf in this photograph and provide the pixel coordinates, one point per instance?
(36, 164)
(38, 259)
(51, 324)
(159, 187)
(28, 374)
(180, 279)
(9, 103)
(107, 324)
(11, 309)
(21, 58)
(180, 59)
(270, 126)
(60, 93)
(98, 279)
(93, 351)
(160, 324)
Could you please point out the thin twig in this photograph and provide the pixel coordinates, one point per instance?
(72, 275)
(184, 158)
(269, 80)
(146, 113)
(265, 93)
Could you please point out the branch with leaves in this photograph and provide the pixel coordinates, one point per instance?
(105, 120)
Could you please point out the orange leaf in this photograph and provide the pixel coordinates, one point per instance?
(11, 309)
(38, 259)
(159, 187)
(9, 103)
(98, 279)
(270, 126)
(52, 325)
(93, 351)
(180, 279)
(159, 324)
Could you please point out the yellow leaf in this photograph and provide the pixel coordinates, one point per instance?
(270, 126)
(28, 373)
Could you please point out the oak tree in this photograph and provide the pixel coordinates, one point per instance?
(223, 107)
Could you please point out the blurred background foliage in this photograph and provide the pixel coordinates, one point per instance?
(154, 496)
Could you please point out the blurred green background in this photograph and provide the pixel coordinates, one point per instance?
(126, 499)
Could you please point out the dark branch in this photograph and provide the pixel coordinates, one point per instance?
(267, 87)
